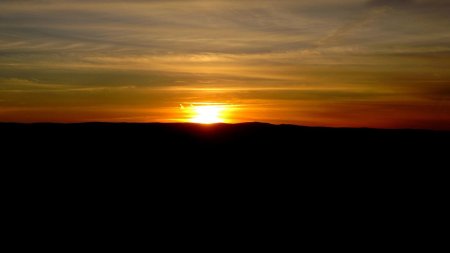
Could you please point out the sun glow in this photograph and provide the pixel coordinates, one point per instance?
(208, 114)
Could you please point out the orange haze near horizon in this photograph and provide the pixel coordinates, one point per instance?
(343, 63)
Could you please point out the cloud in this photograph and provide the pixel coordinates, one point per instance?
(391, 3)
(352, 48)
(353, 25)
(430, 8)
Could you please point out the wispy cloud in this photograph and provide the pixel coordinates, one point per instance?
(351, 47)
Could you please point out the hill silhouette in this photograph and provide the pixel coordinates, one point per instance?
(254, 142)
(136, 163)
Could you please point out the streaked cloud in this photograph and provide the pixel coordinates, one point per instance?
(120, 54)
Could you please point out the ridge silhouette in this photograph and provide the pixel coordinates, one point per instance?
(255, 142)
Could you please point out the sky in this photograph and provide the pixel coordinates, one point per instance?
(337, 63)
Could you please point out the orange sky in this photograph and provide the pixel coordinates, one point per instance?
(356, 63)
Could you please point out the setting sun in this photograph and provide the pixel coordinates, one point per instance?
(207, 114)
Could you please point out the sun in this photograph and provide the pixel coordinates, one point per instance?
(207, 114)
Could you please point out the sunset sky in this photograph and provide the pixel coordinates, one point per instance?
(355, 63)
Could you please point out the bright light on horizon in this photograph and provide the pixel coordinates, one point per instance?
(208, 114)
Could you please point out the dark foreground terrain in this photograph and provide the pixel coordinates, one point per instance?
(248, 144)
(236, 173)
